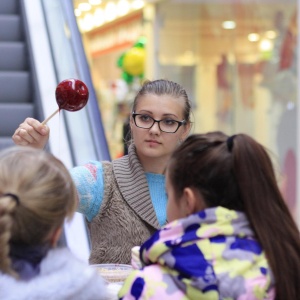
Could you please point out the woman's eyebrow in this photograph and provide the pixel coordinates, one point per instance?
(151, 113)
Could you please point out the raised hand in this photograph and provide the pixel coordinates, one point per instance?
(31, 133)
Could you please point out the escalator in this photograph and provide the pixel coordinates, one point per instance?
(16, 85)
(40, 45)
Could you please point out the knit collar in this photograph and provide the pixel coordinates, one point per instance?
(133, 185)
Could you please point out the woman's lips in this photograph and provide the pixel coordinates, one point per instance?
(152, 142)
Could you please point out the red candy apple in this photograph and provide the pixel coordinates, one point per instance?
(71, 94)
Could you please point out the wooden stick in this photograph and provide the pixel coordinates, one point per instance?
(46, 120)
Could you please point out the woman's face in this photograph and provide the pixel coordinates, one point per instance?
(153, 143)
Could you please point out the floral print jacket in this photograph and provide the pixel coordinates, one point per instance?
(211, 255)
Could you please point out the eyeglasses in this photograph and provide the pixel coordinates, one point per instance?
(165, 125)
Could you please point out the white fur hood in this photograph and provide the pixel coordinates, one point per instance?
(62, 277)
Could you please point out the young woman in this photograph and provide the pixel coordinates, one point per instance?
(36, 195)
(230, 236)
(124, 201)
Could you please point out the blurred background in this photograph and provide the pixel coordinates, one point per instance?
(237, 59)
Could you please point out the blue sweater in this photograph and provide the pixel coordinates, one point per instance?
(90, 186)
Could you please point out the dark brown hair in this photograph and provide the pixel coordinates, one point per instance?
(237, 173)
(165, 87)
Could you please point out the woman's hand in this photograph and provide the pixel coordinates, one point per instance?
(31, 133)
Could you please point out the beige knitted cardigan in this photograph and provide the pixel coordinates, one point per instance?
(126, 217)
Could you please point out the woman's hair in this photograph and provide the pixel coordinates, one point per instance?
(237, 173)
(36, 195)
(165, 87)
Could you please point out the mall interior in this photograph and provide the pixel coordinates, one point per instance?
(237, 59)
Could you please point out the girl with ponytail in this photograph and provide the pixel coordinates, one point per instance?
(230, 234)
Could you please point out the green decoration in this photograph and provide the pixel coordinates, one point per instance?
(140, 43)
(120, 61)
(127, 77)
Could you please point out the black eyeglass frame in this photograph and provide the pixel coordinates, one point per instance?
(179, 123)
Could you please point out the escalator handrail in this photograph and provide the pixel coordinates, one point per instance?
(96, 124)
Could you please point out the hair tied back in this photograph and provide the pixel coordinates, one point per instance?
(15, 197)
(229, 142)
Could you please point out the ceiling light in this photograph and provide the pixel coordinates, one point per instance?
(137, 4)
(110, 11)
(84, 6)
(77, 12)
(228, 24)
(123, 7)
(88, 22)
(95, 2)
(253, 37)
(99, 18)
(265, 45)
(271, 34)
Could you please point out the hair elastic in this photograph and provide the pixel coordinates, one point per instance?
(229, 142)
(15, 197)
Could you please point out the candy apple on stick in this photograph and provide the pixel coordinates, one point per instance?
(71, 95)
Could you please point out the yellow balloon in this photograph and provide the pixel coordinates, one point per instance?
(134, 61)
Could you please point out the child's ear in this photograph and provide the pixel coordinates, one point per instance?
(193, 201)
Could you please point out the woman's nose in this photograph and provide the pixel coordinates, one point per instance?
(155, 128)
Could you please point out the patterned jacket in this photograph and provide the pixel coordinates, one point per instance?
(209, 255)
